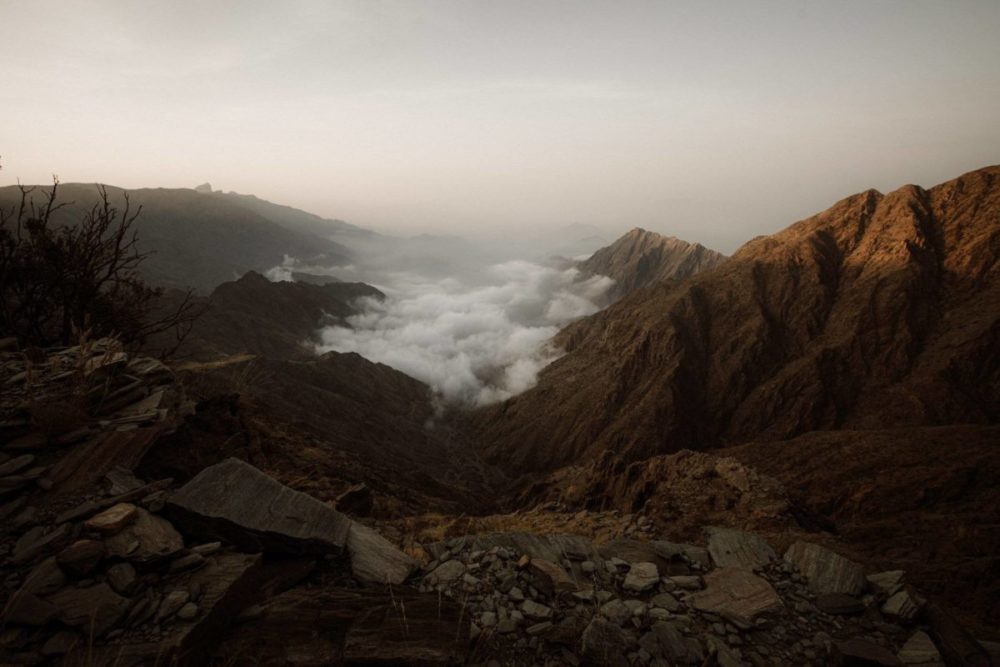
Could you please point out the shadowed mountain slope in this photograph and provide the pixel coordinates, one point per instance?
(253, 315)
(882, 311)
(640, 258)
(198, 239)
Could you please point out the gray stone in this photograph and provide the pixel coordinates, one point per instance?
(539, 628)
(550, 578)
(375, 559)
(666, 601)
(191, 561)
(616, 612)
(673, 550)
(122, 578)
(919, 649)
(235, 502)
(735, 594)
(47, 577)
(536, 611)
(113, 519)
(887, 582)
(826, 571)
(81, 557)
(188, 611)
(172, 602)
(688, 583)
(446, 572)
(36, 542)
(904, 605)
(147, 539)
(206, 549)
(735, 548)
(96, 609)
(641, 577)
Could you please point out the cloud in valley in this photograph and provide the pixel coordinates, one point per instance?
(473, 344)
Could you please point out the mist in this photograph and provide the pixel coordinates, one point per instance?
(474, 341)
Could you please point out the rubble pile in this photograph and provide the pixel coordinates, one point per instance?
(561, 600)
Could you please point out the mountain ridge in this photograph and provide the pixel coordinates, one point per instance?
(795, 332)
(640, 258)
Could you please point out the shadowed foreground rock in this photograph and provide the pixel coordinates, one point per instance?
(256, 512)
(315, 627)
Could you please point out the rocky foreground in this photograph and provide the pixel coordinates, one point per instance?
(103, 565)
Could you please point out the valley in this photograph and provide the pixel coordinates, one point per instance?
(657, 455)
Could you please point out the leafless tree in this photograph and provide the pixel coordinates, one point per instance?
(57, 281)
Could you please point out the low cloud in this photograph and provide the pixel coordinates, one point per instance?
(473, 343)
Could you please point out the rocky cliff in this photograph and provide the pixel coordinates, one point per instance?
(882, 311)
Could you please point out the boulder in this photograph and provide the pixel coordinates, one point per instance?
(149, 538)
(736, 594)
(688, 552)
(236, 502)
(113, 519)
(827, 571)
(919, 649)
(903, 605)
(735, 548)
(446, 572)
(47, 577)
(641, 577)
(122, 578)
(550, 578)
(96, 609)
(82, 557)
(375, 559)
(36, 542)
(886, 583)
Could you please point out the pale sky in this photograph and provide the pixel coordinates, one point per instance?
(713, 121)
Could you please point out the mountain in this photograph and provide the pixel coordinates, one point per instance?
(253, 315)
(641, 258)
(882, 311)
(200, 239)
(293, 218)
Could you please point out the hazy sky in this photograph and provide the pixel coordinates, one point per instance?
(714, 121)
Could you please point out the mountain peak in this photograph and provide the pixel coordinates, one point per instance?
(641, 258)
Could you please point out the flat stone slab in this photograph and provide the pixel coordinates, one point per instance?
(735, 593)
(827, 571)
(375, 559)
(735, 548)
(238, 503)
(919, 649)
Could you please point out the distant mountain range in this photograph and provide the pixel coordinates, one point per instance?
(881, 311)
(201, 239)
